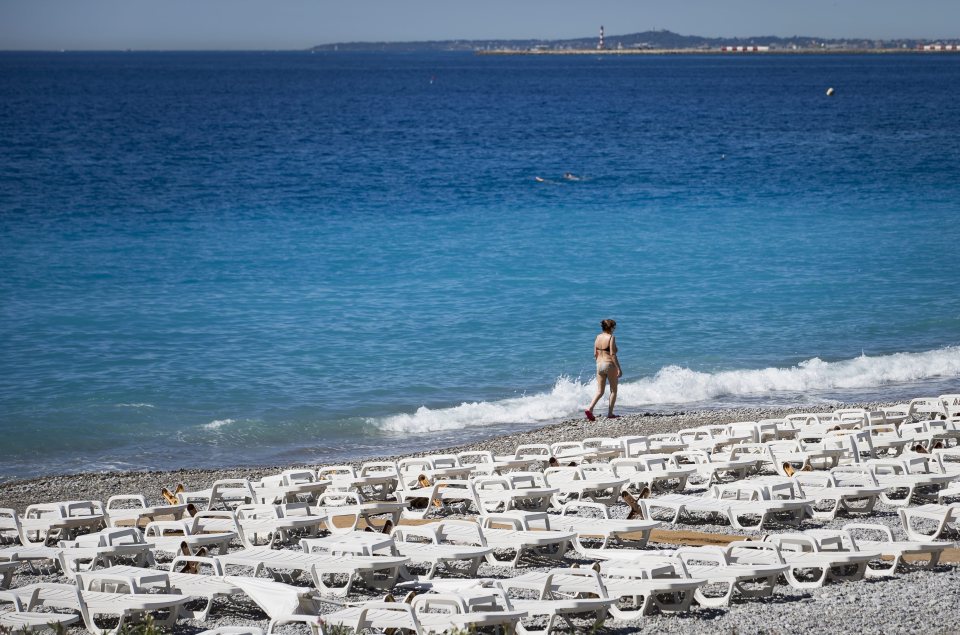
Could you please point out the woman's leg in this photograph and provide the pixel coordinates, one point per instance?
(601, 386)
(614, 382)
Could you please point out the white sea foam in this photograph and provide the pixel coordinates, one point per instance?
(676, 385)
(135, 405)
(216, 424)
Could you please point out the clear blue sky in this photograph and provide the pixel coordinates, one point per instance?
(298, 24)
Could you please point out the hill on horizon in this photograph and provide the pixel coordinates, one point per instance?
(660, 39)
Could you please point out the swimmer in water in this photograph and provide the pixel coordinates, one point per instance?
(570, 176)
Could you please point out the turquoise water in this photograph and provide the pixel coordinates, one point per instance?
(215, 259)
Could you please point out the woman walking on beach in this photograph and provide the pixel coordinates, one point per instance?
(608, 367)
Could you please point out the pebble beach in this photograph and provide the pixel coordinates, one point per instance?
(913, 602)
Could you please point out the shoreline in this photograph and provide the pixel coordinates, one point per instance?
(19, 493)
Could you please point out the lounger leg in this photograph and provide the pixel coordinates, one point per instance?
(814, 584)
(723, 600)
(769, 584)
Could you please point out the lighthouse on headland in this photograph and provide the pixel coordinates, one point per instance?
(600, 43)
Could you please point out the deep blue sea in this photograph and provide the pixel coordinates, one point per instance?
(260, 258)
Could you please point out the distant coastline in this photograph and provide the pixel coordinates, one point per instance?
(619, 52)
(656, 42)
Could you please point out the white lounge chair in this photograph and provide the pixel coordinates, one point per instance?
(284, 565)
(575, 484)
(422, 544)
(168, 536)
(736, 502)
(929, 522)
(653, 471)
(226, 493)
(553, 604)
(396, 616)
(807, 569)
(517, 541)
(667, 594)
(515, 490)
(15, 616)
(853, 537)
(132, 509)
(635, 533)
(44, 524)
(711, 566)
(92, 604)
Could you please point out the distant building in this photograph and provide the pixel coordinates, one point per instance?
(744, 49)
(939, 47)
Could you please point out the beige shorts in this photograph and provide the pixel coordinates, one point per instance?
(606, 369)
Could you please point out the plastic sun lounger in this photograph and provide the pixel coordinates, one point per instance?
(48, 522)
(395, 616)
(887, 546)
(735, 510)
(516, 490)
(807, 569)
(208, 587)
(91, 604)
(433, 552)
(274, 521)
(574, 484)
(228, 492)
(651, 471)
(438, 497)
(867, 475)
(168, 536)
(604, 528)
(822, 489)
(666, 594)
(136, 510)
(15, 616)
(942, 517)
(318, 565)
(553, 605)
(709, 565)
(551, 543)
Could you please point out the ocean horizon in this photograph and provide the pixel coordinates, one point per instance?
(218, 259)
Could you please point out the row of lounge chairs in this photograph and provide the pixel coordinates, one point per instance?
(297, 542)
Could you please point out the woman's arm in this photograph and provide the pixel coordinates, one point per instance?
(613, 353)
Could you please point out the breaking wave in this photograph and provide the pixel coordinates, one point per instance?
(675, 385)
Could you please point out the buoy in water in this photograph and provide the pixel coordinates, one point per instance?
(830, 92)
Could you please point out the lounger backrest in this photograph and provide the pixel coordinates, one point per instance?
(296, 477)
(951, 404)
(126, 501)
(476, 457)
(533, 450)
(748, 427)
(372, 468)
(249, 512)
(623, 467)
(562, 447)
(924, 406)
(333, 471)
(441, 461)
(634, 446)
(555, 475)
(197, 524)
(792, 542)
(121, 536)
(526, 480)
